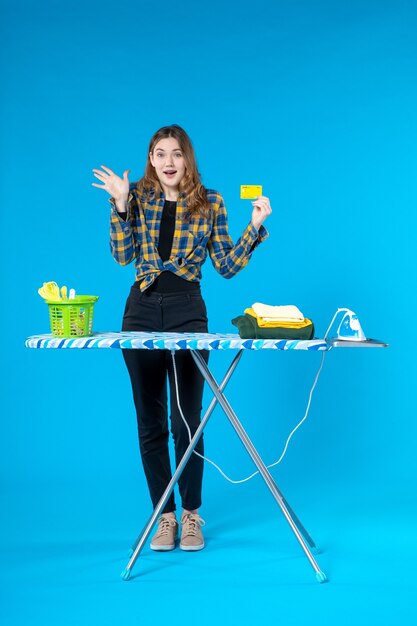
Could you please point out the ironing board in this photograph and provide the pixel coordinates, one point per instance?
(196, 342)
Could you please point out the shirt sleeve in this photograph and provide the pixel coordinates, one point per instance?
(229, 259)
(121, 233)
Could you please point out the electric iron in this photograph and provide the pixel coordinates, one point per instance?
(349, 328)
(349, 333)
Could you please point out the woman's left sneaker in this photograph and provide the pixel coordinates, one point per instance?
(191, 535)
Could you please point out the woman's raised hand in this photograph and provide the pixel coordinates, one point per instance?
(117, 187)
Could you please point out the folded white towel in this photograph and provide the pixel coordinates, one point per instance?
(285, 313)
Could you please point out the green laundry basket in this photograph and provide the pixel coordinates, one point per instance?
(72, 318)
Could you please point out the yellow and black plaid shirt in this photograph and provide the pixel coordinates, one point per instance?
(136, 238)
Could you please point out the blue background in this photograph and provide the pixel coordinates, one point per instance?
(316, 101)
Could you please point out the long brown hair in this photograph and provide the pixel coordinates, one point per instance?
(195, 192)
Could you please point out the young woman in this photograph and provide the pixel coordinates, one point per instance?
(167, 223)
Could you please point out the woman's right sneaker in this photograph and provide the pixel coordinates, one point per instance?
(166, 535)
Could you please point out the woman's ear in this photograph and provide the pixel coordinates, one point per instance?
(151, 159)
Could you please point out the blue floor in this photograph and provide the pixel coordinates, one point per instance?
(63, 550)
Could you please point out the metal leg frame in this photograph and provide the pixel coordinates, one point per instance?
(298, 529)
(263, 470)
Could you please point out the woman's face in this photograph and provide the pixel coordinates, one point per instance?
(168, 161)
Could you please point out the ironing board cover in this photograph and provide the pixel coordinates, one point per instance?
(173, 341)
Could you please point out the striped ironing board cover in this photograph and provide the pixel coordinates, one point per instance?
(174, 341)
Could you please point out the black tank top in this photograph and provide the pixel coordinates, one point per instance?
(168, 282)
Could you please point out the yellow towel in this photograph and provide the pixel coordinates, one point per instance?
(287, 313)
(262, 323)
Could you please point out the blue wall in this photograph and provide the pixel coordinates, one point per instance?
(316, 101)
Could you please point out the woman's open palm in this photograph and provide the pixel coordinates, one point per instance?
(117, 187)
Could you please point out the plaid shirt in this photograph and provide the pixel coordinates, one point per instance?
(136, 239)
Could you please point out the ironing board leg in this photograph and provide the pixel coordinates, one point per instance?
(263, 470)
(140, 541)
(299, 525)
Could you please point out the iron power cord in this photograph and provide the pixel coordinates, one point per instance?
(243, 480)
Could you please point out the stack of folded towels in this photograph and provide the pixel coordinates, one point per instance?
(263, 321)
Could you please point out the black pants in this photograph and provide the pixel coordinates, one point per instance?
(148, 369)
